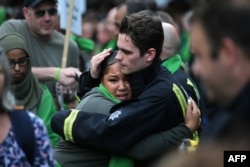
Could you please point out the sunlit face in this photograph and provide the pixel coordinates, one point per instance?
(211, 72)
(116, 82)
(41, 26)
(2, 80)
(18, 64)
(129, 55)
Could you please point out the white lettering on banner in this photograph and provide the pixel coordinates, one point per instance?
(79, 9)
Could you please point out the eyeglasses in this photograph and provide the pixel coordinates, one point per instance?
(21, 62)
(41, 13)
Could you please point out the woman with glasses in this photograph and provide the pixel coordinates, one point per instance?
(23, 137)
(28, 92)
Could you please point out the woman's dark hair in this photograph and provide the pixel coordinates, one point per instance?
(107, 62)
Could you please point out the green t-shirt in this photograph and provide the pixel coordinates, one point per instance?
(45, 111)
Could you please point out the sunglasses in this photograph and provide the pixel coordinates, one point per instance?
(21, 62)
(41, 13)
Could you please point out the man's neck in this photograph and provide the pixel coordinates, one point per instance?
(241, 77)
(41, 37)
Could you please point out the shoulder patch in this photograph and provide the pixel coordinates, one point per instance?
(115, 115)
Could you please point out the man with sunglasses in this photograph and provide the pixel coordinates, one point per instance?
(45, 44)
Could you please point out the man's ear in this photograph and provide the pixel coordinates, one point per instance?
(229, 52)
(151, 55)
(25, 12)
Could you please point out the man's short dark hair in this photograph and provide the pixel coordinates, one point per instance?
(145, 30)
(225, 18)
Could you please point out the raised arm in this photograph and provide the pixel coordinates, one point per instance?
(90, 79)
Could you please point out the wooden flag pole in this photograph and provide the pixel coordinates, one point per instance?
(65, 50)
(67, 35)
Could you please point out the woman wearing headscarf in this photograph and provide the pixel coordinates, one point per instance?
(23, 137)
(27, 90)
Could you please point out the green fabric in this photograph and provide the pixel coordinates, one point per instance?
(111, 44)
(116, 160)
(120, 161)
(46, 111)
(173, 63)
(84, 43)
(184, 50)
(107, 94)
(66, 107)
(2, 14)
(58, 164)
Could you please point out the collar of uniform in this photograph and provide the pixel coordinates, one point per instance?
(172, 63)
(141, 79)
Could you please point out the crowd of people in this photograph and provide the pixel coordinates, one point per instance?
(145, 85)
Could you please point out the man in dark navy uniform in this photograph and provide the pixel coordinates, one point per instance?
(158, 103)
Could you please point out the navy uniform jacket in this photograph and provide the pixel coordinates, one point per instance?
(174, 65)
(158, 106)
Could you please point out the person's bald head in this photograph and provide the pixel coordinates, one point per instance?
(111, 22)
(120, 14)
(111, 14)
(127, 8)
(171, 41)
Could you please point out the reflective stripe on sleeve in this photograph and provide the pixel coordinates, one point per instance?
(181, 98)
(195, 88)
(182, 101)
(68, 125)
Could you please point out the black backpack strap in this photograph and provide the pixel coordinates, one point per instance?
(24, 132)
